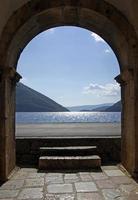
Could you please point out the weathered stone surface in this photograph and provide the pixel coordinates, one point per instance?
(20, 175)
(35, 175)
(128, 188)
(31, 193)
(88, 196)
(121, 180)
(85, 176)
(69, 162)
(34, 182)
(68, 151)
(71, 178)
(52, 186)
(60, 197)
(12, 185)
(8, 193)
(54, 178)
(60, 188)
(114, 172)
(98, 176)
(86, 187)
(32, 170)
(111, 194)
(105, 184)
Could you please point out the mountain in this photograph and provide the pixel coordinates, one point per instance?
(88, 107)
(100, 109)
(117, 107)
(29, 100)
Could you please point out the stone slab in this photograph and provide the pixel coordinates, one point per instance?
(105, 184)
(12, 185)
(60, 197)
(89, 196)
(31, 193)
(86, 187)
(34, 182)
(8, 193)
(69, 162)
(71, 178)
(98, 176)
(114, 172)
(60, 188)
(54, 178)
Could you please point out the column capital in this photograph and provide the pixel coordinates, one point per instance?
(10, 73)
(125, 76)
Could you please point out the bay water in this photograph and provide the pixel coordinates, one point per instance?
(67, 117)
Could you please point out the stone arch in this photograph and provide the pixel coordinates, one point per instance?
(39, 15)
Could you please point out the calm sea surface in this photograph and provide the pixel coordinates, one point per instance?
(67, 117)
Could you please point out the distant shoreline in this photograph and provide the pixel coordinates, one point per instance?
(69, 130)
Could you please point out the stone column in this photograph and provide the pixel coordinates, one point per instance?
(136, 124)
(8, 79)
(128, 149)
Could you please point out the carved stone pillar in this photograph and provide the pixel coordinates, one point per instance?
(8, 79)
(128, 149)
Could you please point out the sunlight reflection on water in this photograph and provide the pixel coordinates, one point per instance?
(67, 117)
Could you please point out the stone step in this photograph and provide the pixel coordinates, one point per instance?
(68, 151)
(69, 162)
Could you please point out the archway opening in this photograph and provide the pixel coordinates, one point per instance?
(101, 18)
(75, 68)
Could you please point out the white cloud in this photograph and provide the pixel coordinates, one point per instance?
(107, 51)
(97, 38)
(107, 90)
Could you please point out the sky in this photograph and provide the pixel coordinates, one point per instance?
(72, 66)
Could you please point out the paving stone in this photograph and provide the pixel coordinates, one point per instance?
(109, 167)
(103, 184)
(60, 197)
(12, 185)
(28, 170)
(27, 184)
(28, 199)
(71, 178)
(98, 176)
(86, 187)
(54, 178)
(31, 193)
(35, 175)
(34, 182)
(8, 193)
(127, 189)
(132, 197)
(20, 175)
(60, 188)
(89, 196)
(6, 199)
(84, 176)
(112, 194)
(114, 172)
(121, 180)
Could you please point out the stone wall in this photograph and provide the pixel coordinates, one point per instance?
(27, 150)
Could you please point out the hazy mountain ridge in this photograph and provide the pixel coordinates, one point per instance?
(107, 107)
(117, 107)
(29, 100)
(88, 107)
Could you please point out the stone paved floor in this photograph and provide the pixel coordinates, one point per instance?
(109, 184)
